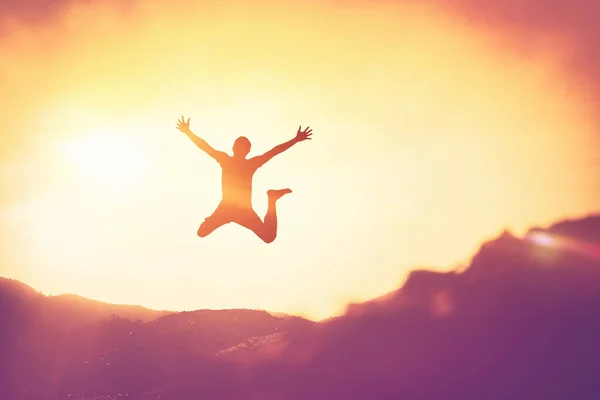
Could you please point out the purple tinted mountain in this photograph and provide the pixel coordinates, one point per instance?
(520, 322)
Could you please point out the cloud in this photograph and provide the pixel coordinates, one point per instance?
(30, 11)
(575, 22)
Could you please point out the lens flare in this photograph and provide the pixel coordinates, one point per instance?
(564, 243)
(542, 239)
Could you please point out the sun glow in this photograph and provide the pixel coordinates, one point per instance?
(106, 158)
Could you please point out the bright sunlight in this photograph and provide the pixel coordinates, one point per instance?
(106, 158)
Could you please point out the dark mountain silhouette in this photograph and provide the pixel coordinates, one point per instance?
(53, 346)
(35, 327)
(521, 322)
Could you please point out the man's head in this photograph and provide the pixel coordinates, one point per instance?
(241, 147)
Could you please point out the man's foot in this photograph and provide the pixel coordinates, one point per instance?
(277, 194)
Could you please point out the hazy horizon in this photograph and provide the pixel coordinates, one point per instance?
(457, 268)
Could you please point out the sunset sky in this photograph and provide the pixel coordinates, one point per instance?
(434, 128)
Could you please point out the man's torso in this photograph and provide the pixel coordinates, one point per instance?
(236, 181)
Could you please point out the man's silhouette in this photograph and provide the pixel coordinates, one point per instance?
(236, 203)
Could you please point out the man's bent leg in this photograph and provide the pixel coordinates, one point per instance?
(266, 230)
(216, 220)
(253, 222)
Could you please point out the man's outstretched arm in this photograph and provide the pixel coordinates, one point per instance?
(184, 127)
(301, 136)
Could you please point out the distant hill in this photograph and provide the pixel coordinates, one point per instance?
(91, 346)
(71, 308)
(12, 288)
(83, 309)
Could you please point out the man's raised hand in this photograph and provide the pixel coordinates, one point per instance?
(303, 134)
(184, 126)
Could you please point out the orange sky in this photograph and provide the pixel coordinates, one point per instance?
(429, 136)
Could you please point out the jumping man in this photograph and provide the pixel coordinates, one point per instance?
(236, 182)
